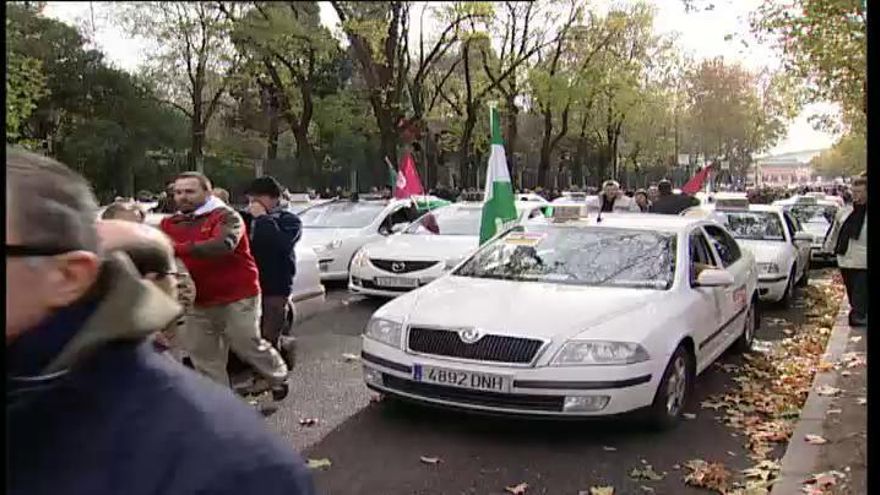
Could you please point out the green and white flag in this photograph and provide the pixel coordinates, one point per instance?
(498, 207)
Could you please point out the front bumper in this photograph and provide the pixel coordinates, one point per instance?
(332, 268)
(772, 287)
(818, 254)
(363, 280)
(540, 391)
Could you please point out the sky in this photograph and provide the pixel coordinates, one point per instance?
(701, 34)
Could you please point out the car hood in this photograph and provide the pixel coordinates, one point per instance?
(764, 251)
(423, 247)
(312, 236)
(529, 309)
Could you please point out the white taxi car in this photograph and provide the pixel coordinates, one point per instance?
(338, 228)
(428, 248)
(778, 241)
(816, 217)
(570, 319)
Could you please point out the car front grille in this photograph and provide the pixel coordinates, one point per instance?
(396, 266)
(497, 348)
(552, 403)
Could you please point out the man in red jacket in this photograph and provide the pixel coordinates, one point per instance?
(209, 238)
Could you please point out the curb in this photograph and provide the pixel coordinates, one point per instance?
(801, 458)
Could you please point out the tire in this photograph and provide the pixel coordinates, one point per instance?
(805, 279)
(673, 392)
(788, 295)
(744, 343)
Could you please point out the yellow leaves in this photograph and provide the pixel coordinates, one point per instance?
(828, 391)
(519, 489)
(815, 439)
(711, 475)
(429, 460)
(646, 473)
(601, 490)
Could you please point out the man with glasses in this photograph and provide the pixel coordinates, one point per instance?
(91, 408)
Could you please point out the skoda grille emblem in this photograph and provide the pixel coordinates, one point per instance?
(469, 335)
(397, 266)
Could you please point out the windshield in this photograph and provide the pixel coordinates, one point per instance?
(600, 256)
(755, 225)
(341, 215)
(813, 213)
(449, 220)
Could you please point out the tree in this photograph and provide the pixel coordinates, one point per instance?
(194, 61)
(825, 43)
(293, 59)
(848, 157)
(25, 80)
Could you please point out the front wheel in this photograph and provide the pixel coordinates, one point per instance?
(673, 392)
(805, 278)
(788, 295)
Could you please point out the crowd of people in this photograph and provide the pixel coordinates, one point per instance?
(95, 402)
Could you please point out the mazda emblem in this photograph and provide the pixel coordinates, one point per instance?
(398, 266)
(469, 335)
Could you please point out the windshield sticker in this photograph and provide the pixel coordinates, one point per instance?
(530, 239)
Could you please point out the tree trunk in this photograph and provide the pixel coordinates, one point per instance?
(464, 148)
(510, 139)
(305, 154)
(197, 146)
(544, 162)
(272, 138)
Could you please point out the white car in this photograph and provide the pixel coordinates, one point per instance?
(337, 229)
(571, 197)
(531, 197)
(780, 246)
(816, 217)
(307, 294)
(569, 319)
(428, 248)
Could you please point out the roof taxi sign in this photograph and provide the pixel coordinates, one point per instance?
(567, 213)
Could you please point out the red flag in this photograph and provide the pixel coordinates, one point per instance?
(408, 182)
(696, 183)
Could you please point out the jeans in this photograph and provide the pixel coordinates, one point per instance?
(856, 281)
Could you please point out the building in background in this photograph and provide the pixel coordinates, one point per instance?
(787, 168)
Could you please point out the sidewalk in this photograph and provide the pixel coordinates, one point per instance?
(839, 417)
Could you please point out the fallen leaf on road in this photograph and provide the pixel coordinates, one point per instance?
(731, 454)
(519, 489)
(601, 490)
(764, 470)
(855, 340)
(646, 489)
(308, 421)
(689, 416)
(429, 460)
(845, 373)
(350, 357)
(319, 463)
(833, 411)
(376, 398)
(824, 480)
(861, 401)
(825, 366)
(827, 391)
(609, 449)
(646, 473)
(815, 439)
(711, 475)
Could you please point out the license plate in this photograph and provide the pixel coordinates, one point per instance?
(397, 282)
(460, 379)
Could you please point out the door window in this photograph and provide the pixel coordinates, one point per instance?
(792, 227)
(725, 245)
(700, 255)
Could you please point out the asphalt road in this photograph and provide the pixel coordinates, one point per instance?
(375, 448)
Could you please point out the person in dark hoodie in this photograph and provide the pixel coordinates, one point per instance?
(91, 407)
(668, 203)
(274, 232)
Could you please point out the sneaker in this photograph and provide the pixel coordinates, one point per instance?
(287, 349)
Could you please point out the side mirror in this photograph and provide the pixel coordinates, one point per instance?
(803, 237)
(711, 277)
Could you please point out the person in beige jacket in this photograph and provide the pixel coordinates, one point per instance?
(848, 238)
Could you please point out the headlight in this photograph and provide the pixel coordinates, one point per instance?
(360, 258)
(591, 352)
(330, 246)
(385, 331)
(768, 268)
